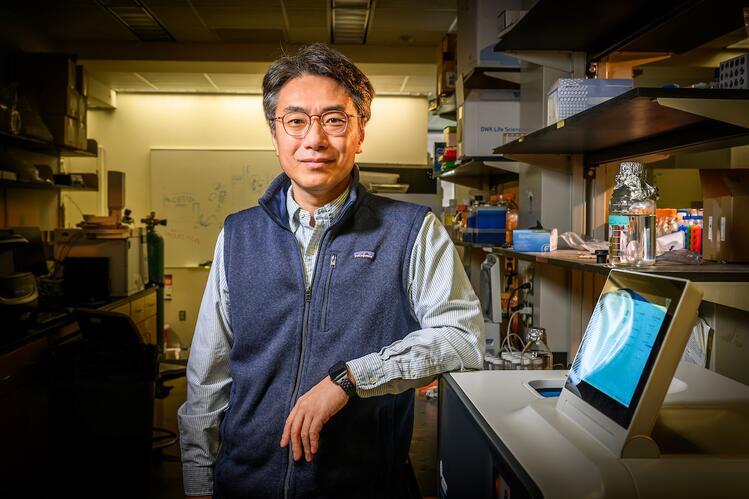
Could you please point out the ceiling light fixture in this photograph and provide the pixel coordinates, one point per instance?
(138, 19)
(350, 21)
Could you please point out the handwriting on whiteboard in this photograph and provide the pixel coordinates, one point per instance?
(181, 236)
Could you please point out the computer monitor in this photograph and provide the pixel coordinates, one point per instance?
(628, 356)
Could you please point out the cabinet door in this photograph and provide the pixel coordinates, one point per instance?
(138, 310)
(147, 329)
(122, 309)
(150, 301)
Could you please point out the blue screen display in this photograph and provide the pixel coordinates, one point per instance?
(618, 343)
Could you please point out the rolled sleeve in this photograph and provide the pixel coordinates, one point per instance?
(448, 311)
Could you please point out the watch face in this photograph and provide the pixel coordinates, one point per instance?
(337, 369)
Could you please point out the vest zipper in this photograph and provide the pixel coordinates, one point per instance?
(307, 300)
(324, 321)
(295, 393)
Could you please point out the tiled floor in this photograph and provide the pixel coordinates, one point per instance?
(166, 479)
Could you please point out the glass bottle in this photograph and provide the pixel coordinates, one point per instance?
(539, 355)
(632, 222)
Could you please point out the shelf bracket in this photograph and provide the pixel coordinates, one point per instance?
(567, 62)
(733, 111)
(551, 161)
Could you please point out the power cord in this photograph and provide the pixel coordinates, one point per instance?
(509, 333)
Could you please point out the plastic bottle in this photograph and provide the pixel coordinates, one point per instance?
(632, 222)
(508, 201)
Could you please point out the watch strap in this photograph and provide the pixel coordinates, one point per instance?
(339, 375)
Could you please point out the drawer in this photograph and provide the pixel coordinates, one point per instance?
(147, 329)
(138, 310)
(150, 300)
(122, 309)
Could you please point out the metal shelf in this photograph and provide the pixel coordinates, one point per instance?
(46, 186)
(643, 121)
(672, 26)
(580, 260)
(447, 110)
(19, 184)
(472, 171)
(44, 147)
(492, 78)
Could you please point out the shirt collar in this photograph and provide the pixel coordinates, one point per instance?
(323, 215)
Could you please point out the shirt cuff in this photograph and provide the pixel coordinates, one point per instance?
(369, 375)
(197, 480)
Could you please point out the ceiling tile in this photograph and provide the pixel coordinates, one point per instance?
(121, 81)
(181, 21)
(305, 18)
(240, 14)
(73, 20)
(243, 35)
(182, 82)
(228, 82)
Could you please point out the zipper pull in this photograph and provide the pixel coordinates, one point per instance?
(308, 294)
(332, 261)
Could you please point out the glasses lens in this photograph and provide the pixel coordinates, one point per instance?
(296, 123)
(334, 122)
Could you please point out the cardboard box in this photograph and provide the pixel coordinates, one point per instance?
(446, 65)
(38, 71)
(60, 100)
(447, 74)
(725, 204)
(64, 129)
(533, 240)
(81, 136)
(450, 136)
(81, 80)
(449, 46)
(82, 108)
(485, 121)
(477, 35)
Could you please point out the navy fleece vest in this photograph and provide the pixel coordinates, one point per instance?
(286, 339)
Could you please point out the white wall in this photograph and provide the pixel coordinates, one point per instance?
(397, 133)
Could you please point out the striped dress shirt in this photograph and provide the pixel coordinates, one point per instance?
(441, 299)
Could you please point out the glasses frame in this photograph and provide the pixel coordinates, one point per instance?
(309, 126)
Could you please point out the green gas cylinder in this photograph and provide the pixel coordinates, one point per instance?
(155, 245)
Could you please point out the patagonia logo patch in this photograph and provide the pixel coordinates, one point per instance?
(369, 255)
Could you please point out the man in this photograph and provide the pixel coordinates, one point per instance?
(324, 308)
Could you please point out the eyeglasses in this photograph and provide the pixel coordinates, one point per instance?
(298, 123)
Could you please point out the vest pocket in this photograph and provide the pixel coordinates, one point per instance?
(324, 320)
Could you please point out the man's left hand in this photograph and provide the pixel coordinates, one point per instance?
(310, 413)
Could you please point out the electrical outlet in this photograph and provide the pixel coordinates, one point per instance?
(182, 315)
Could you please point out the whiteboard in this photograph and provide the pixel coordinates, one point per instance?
(195, 189)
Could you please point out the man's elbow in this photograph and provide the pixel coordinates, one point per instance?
(474, 356)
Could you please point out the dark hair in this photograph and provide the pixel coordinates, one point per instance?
(321, 60)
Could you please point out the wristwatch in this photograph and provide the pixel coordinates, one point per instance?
(339, 375)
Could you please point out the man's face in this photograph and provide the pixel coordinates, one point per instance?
(318, 164)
